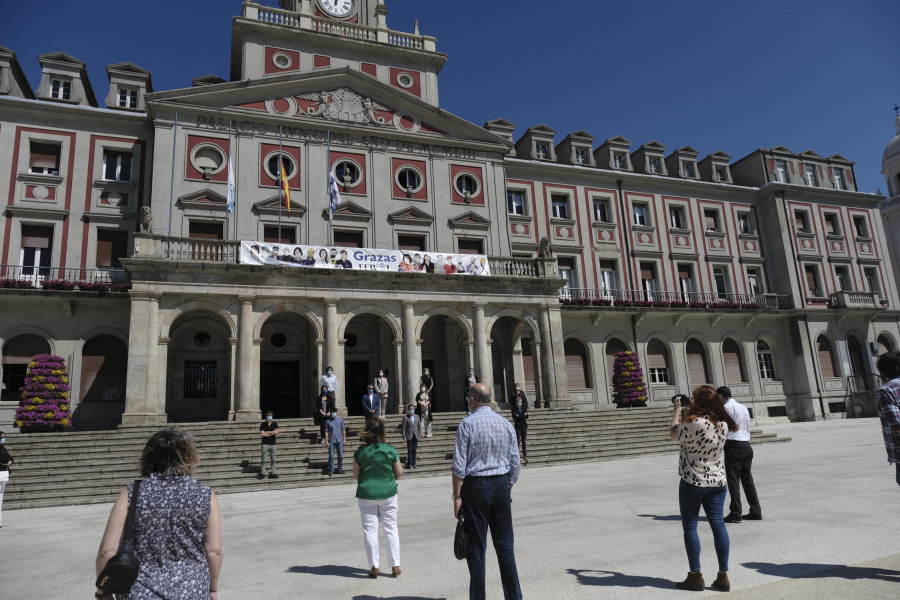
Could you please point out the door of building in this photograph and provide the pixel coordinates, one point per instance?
(355, 381)
(279, 388)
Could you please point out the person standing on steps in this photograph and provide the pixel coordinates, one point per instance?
(519, 405)
(268, 431)
(335, 433)
(330, 382)
(738, 459)
(382, 389)
(322, 412)
(423, 409)
(371, 403)
(411, 433)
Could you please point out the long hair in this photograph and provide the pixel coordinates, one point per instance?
(168, 452)
(707, 402)
(373, 432)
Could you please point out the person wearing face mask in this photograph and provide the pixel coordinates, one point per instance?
(335, 432)
(427, 381)
(423, 410)
(411, 433)
(519, 404)
(329, 381)
(371, 403)
(268, 431)
(381, 388)
(322, 411)
(5, 462)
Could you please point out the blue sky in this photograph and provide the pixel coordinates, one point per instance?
(712, 74)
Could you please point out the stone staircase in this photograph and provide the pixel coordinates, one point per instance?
(56, 469)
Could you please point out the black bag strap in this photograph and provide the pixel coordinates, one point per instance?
(129, 520)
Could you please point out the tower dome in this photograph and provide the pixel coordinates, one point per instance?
(893, 147)
(890, 164)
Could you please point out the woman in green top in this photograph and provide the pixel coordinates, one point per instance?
(376, 468)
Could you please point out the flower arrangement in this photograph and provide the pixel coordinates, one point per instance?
(86, 286)
(628, 380)
(45, 396)
(58, 284)
(17, 284)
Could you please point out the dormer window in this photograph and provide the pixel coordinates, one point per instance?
(687, 169)
(128, 98)
(781, 171)
(812, 178)
(61, 89)
(44, 159)
(721, 173)
(655, 165)
(839, 183)
(542, 151)
(619, 160)
(581, 157)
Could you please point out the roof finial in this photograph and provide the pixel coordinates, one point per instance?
(417, 33)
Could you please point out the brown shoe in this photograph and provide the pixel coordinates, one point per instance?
(721, 583)
(395, 571)
(374, 573)
(693, 583)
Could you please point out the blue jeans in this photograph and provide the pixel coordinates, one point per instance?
(332, 446)
(486, 501)
(690, 498)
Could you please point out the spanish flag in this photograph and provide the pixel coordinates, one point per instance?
(286, 188)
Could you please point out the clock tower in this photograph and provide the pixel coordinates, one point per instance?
(351, 11)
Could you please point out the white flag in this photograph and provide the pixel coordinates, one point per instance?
(334, 195)
(230, 205)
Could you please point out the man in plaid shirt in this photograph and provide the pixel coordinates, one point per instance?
(889, 405)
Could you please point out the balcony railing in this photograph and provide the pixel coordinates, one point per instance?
(696, 300)
(66, 279)
(847, 299)
(861, 383)
(892, 201)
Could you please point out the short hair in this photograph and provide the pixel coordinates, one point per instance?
(725, 392)
(373, 432)
(169, 452)
(888, 365)
(481, 393)
(269, 413)
(327, 368)
(410, 406)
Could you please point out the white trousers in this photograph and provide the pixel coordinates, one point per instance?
(2, 487)
(371, 512)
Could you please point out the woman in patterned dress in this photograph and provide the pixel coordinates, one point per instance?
(702, 470)
(177, 525)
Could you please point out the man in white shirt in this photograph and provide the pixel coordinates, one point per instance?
(738, 458)
(329, 380)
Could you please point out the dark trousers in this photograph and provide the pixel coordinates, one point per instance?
(738, 459)
(521, 434)
(412, 444)
(488, 506)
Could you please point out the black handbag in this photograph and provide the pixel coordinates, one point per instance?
(121, 571)
(461, 539)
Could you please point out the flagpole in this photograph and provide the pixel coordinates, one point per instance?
(280, 183)
(328, 187)
(230, 182)
(172, 181)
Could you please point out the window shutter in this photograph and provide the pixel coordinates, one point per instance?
(684, 272)
(36, 237)
(348, 239)
(825, 360)
(656, 355)
(810, 279)
(734, 370)
(696, 362)
(709, 220)
(44, 156)
(576, 364)
(646, 272)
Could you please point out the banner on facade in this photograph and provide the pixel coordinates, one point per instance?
(337, 257)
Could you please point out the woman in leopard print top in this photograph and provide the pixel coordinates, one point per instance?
(701, 467)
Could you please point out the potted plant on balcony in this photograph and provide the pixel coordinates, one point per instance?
(45, 396)
(628, 380)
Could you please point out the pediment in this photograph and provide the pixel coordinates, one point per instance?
(127, 67)
(350, 211)
(581, 134)
(271, 206)
(781, 149)
(336, 100)
(686, 150)
(811, 154)
(499, 122)
(838, 157)
(618, 141)
(542, 130)
(206, 198)
(469, 220)
(207, 80)
(412, 216)
(718, 155)
(60, 57)
(653, 146)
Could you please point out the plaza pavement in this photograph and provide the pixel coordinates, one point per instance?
(590, 530)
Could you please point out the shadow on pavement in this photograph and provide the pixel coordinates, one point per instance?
(666, 517)
(615, 579)
(395, 598)
(334, 570)
(815, 571)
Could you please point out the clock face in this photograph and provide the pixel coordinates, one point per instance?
(337, 8)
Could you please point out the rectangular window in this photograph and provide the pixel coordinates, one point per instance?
(560, 204)
(619, 161)
(648, 280)
(128, 98)
(288, 235)
(831, 224)
(601, 210)
(812, 177)
(467, 246)
(205, 231)
(744, 224)
(415, 243)
(838, 175)
(567, 272)
(801, 221)
(116, 166)
(111, 246)
(676, 217)
(61, 89)
(608, 275)
(720, 278)
(685, 281)
(348, 239)
(812, 281)
(721, 173)
(755, 282)
(859, 225)
(872, 281)
(200, 379)
(44, 158)
(542, 151)
(639, 213)
(781, 171)
(843, 279)
(659, 375)
(37, 249)
(687, 169)
(581, 157)
(655, 165)
(515, 202)
(711, 220)
(766, 364)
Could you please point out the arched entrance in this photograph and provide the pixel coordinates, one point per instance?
(509, 337)
(368, 348)
(17, 354)
(104, 369)
(445, 355)
(287, 371)
(199, 368)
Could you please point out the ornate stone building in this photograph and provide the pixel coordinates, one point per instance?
(770, 273)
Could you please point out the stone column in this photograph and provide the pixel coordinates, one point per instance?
(539, 393)
(413, 358)
(332, 352)
(245, 408)
(547, 363)
(484, 368)
(140, 407)
(558, 356)
(234, 379)
(162, 370)
(397, 390)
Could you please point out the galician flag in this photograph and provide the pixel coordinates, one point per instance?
(287, 190)
(230, 204)
(334, 195)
